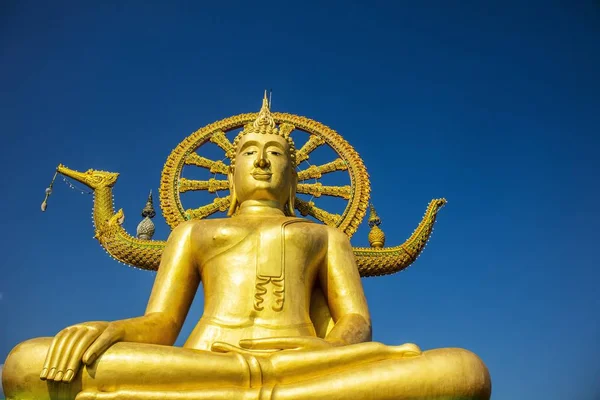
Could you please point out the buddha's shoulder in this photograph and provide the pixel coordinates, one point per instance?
(317, 227)
(194, 226)
(336, 236)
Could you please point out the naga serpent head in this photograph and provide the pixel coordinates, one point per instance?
(93, 178)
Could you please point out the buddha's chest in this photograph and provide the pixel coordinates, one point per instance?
(266, 240)
(263, 260)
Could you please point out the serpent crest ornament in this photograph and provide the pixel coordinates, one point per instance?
(146, 254)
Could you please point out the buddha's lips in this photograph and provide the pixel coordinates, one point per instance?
(262, 176)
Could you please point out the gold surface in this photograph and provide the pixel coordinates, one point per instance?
(185, 154)
(376, 235)
(146, 254)
(285, 316)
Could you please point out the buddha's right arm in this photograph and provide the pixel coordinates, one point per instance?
(174, 288)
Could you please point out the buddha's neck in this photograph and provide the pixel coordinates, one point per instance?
(263, 208)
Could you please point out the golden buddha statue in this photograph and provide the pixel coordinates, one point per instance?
(285, 316)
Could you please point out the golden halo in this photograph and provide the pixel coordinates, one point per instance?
(356, 194)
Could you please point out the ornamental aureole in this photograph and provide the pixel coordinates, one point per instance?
(285, 316)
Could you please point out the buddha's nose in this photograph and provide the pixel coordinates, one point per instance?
(262, 162)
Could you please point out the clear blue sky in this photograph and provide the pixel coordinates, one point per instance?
(494, 105)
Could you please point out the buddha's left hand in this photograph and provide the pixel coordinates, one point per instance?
(286, 343)
(270, 345)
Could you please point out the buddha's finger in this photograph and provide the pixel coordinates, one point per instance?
(46, 367)
(77, 355)
(64, 353)
(221, 347)
(56, 352)
(67, 354)
(281, 343)
(100, 345)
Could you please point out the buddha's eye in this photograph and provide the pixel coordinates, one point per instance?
(249, 152)
(275, 153)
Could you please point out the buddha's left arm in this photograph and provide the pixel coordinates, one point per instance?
(343, 289)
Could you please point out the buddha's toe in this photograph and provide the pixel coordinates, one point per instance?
(407, 350)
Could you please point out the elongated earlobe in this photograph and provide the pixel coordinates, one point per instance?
(233, 205)
(291, 203)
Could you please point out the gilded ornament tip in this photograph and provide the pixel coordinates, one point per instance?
(148, 210)
(374, 219)
(264, 119)
(376, 235)
(145, 229)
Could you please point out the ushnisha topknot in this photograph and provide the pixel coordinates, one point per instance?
(265, 124)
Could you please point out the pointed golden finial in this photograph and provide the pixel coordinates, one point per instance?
(264, 123)
(148, 210)
(374, 219)
(145, 229)
(376, 235)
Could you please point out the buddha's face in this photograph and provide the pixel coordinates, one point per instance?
(263, 169)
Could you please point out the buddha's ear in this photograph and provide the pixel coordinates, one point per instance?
(230, 178)
(291, 203)
(234, 203)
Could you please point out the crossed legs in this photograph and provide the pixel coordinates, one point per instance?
(132, 371)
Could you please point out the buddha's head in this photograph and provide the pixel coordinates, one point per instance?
(263, 166)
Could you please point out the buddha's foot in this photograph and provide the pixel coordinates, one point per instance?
(406, 350)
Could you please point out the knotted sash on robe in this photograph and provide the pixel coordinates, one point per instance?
(270, 265)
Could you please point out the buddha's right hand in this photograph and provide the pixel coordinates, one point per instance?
(77, 343)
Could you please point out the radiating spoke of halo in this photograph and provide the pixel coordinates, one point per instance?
(312, 143)
(218, 204)
(212, 185)
(309, 208)
(221, 140)
(316, 171)
(215, 167)
(322, 146)
(317, 189)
